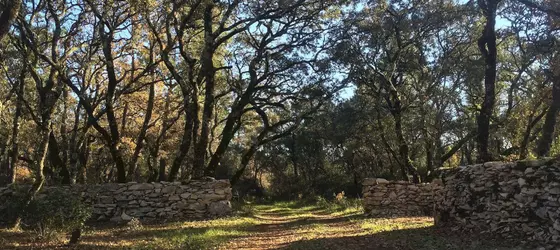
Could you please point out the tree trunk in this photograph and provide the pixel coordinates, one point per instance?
(545, 143)
(232, 120)
(293, 156)
(185, 141)
(5, 156)
(56, 162)
(75, 236)
(15, 128)
(487, 46)
(523, 149)
(406, 162)
(207, 66)
(83, 156)
(404, 150)
(8, 15)
(114, 140)
(468, 153)
(142, 135)
(73, 145)
(248, 155)
(63, 144)
(39, 159)
(124, 116)
(227, 135)
(245, 159)
(162, 165)
(429, 161)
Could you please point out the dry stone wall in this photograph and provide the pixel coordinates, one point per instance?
(150, 201)
(518, 200)
(391, 198)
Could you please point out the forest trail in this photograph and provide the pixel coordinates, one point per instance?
(284, 227)
(289, 226)
(281, 225)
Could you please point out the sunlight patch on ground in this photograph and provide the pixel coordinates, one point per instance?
(377, 225)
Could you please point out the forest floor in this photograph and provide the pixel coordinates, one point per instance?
(285, 225)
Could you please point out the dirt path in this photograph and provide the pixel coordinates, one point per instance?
(279, 230)
(311, 228)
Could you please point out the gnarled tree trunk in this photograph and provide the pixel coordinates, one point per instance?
(7, 16)
(488, 48)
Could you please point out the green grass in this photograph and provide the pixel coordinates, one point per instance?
(383, 225)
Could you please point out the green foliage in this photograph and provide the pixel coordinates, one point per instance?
(339, 203)
(14, 205)
(243, 208)
(49, 214)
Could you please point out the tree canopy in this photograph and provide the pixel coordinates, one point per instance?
(294, 95)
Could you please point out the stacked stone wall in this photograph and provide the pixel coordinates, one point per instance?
(398, 198)
(148, 201)
(519, 200)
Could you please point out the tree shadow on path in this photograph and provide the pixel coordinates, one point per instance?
(428, 238)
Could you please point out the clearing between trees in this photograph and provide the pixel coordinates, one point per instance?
(281, 225)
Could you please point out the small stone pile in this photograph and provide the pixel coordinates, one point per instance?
(398, 198)
(518, 200)
(149, 201)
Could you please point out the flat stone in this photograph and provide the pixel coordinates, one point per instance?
(556, 225)
(141, 186)
(214, 197)
(110, 186)
(125, 217)
(531, 191)
(105, 199)
(555, 190)
(121, 198)
(369, 182)
(169, 189)
(381, 181)
(541, 212)
(196, 206)
(437, 182)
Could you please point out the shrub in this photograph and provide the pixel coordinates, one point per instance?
(58, 212)
(322, 202)
(339, 203)
(49, 214)
(13, 205)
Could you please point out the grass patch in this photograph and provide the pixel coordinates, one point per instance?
(377, 225)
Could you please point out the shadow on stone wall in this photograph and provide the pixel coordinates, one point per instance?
(515, 200)
(164, 201)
